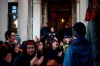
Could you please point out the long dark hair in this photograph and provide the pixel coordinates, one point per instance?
(24, 46)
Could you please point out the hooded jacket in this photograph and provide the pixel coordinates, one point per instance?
(79, 53)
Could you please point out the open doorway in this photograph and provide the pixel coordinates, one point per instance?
(59, 13)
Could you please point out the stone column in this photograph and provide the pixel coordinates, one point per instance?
(45, 12)
(22, 19)
(3, 18)
(78, 10)
(83, 7)
(74, 12)
(30, 25)
(36, 18)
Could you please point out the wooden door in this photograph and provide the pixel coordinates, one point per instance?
(59, 15)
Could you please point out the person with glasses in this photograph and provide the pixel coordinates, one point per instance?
(10, 37)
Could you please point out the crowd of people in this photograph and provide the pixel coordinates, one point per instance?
(70, 48)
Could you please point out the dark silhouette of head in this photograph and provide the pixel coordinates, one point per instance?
(79, 29)
(8, 34)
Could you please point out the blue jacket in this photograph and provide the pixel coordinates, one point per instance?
(79, 53)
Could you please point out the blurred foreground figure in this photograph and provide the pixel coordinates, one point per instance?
(5, 56)
(79, 52)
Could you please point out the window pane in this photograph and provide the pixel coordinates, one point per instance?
(13, 11)
(13, 7)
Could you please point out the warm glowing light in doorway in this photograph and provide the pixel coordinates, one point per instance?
(62, 20)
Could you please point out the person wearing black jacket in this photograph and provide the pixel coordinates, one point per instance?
(10, 37)
(55, 52)
(5, 56)
(28, 57)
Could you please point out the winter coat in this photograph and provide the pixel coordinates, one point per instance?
(79, 53)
